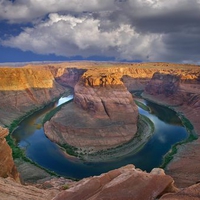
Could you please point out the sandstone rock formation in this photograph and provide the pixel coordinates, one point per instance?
(181, 91)
(190, 193)
(25, 89)
(69, 76)
(11, 190)
(178, 86)
(104, 115)
(125, 183)
(7, 166)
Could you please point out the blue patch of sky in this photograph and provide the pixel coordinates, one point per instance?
(7, 29)
(8, 54)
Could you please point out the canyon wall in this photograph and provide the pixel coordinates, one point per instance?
(25, 89)
(181, 91)
(22, 90)
(102, 116)
(98, 94)
(69, 77)
(98, 97)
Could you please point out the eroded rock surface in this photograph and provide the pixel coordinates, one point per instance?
(190, 193)
(11, 190)
(102, 116)
(25, 89)
(22, 90)
(7, 166)
(181, 91)
(125, 183)
(69, 76)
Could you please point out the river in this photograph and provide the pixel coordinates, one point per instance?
(30, 137)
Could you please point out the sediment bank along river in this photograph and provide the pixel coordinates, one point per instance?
(30, 137)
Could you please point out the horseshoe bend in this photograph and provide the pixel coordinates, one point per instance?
(103, 115)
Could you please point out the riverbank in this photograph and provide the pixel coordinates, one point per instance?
(182, 162)
(114, 155)
(145, 130)
(29, 170)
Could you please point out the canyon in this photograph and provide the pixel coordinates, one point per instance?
(102, 116)
(102, 99)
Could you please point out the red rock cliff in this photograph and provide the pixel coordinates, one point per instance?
(103, 115)
(181, 91)
(25, 89)
(7, 166)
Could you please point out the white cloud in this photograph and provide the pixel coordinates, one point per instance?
(154, 30)
(69, 36)
(27, 10)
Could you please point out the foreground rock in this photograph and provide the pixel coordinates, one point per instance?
(125, 183)
(190, 193)
(11, 190)
(26, 89)
(7, 166)
(102, 116)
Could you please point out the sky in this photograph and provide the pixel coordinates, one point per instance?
(103, 30)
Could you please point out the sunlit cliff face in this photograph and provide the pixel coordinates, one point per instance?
(15, 79)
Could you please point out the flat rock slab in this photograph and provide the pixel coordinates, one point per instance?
(125, 183)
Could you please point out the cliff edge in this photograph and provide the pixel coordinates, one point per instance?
(102, 116)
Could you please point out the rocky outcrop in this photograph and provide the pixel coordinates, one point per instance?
(25, 89)
(125, 183)
(190, 193)
(69, 77)
(181, 91)
(101, 99)
(7, 166)
(102, 116)
(103, 95)
(11, 190)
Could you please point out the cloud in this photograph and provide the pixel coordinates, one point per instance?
(68, 36)
(149, 30)
(27, 10)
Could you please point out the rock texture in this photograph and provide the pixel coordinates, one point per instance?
(25, 89)
(190, 193)
(7, 166)
(125, 183)
(181, 91)
(69, 76)
(103, 115)
(11, 190)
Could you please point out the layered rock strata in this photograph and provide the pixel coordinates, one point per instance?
(69, 76)
(22, 90)
(25, 89)
(182, 93)
(102, 116)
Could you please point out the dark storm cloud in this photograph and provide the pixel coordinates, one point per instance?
(154, 30)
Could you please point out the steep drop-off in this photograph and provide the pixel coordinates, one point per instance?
(22, 90)
(169, 84)
(181, 91)
(102, 116)
(25, 89)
